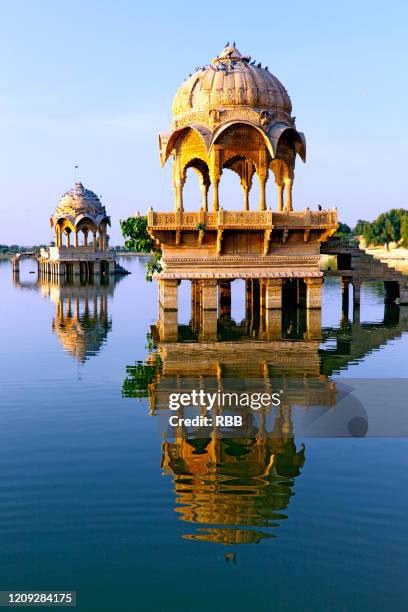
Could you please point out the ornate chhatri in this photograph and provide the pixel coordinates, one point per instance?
(80, 210)
(80, 207)
(235, 115)
(80, 221)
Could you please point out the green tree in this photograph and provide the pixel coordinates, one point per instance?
(359, 228)
(343, 231)
(385, 229)
(404, 231)
(137, 238)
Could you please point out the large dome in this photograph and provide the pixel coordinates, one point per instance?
(231, 80)
(79, 203)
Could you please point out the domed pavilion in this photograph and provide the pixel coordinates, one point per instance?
(80, 225)
(234, 114)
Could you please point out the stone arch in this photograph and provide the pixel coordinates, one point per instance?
(170, 143)
(200, 167)
(85, 225)
(245, 168)
(288, 142)
(189, 146)
(65, 224)
(250, 128)
(241, 139)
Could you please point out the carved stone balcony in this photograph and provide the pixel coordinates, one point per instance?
(228, 219)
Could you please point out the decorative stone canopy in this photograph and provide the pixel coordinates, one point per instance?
(229, 90)
(80, 210)
(233, 115)
(77, 204)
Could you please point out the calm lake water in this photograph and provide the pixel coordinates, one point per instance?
(93, 499)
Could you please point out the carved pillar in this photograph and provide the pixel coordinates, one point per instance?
(75, 238)
(314, 292)
(94, 240)
(178, 190)
(215, 181)
(215, 175)
(204, 190)
(280, 197)
(246, 173)
(224, 298)
(246, 197)
(68, 235)
(288, 191)
(178, 183)
(273, 294)
(86, 237)
(263, 177)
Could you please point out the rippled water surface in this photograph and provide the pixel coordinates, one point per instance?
(94, 499)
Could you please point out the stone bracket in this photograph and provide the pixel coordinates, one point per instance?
(220, 233)
(267, 239)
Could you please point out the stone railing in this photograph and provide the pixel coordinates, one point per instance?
(183, 220)
(72, 253)
(305, 217)
(262, 219)
(245, 218)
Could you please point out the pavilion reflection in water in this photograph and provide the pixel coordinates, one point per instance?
(238, 489)
(82, 322)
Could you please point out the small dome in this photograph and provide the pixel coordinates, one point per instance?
(79, 203)
(79, 197)
(231, 80)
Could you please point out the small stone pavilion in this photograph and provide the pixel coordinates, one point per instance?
(80, 224)
(235, 115)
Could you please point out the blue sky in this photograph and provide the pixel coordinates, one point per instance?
(91, 83)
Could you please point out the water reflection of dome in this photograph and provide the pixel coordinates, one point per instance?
(82, 332)
(229, 486)
(82, 321)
